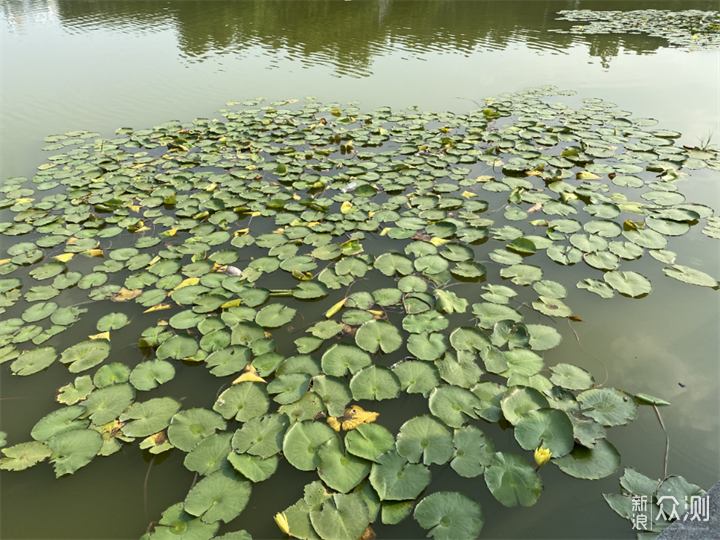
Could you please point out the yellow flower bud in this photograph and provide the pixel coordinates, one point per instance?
(542, 456)
(282, 522)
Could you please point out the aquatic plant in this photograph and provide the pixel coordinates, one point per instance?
(231, 231)
(694, 30)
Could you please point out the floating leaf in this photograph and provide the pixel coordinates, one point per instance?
(512, 480)
(395, 479)
(73, 449)
(375, 335)
(24, 455)
(450, 515)
(221, 496)
(590, 463)
(302, 442)
(690, 275)
(148, 417)
(425, 437)
(473, 452)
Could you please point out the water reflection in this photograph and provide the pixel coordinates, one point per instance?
(348, 36)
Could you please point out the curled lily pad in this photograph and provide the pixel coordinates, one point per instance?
(690, 275)
(450, 515)
(369, 441)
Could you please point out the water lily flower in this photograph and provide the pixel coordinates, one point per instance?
(542, 456)
(282, 522)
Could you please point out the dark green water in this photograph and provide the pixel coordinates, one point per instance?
(100, 65)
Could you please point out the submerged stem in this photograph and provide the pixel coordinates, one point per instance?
(607, 374)
(667, 439)
(147, 476)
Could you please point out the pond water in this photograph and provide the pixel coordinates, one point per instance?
(72, 65)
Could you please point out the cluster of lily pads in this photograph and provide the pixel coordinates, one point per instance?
(226, 229)
(692, 29)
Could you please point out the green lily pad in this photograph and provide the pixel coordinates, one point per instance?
(394, 479)
(374, 383)
(33, 361)
(148, 417)
(340, 471)
(210, 454)
(65, 419)
(274, 316)
(571, 377)
(547, 427)
(378, 335)
(687, 275)
(512, 480)
(254, 468)
(112, 321)
(190, 427)
(24, 455)
(519, 400)
(262, 437)
(628, 283)
(220, 496)
(73, 449)
(302, 442)
(417, 377)
(342, 358)
(425, 437)
(178, 347)
(590, 463)
(609, 406)
(243, 401)
(474, 451)
(38, 312)
(105, 404)
(449, 515)
(369, 441)
(342, 517)
(453, 405)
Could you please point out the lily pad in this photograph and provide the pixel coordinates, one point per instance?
(378, 335)
(591, 463)
(148, 417)
(73, 449)
(221, 496)
(474, 451)
(395, 479)
(450, 515)
(512, 480)
(425, 437)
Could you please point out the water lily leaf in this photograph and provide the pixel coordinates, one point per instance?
(387, 297)
(571, 377)
(254, 468)
(65, 419)
(522, 274)
(75, 391)
(262, 437)
(228, 361)
(85, 355)
(148, 375)
(425, 437)
(453, 405)
(340, 471)
(598, 287)
(190, 427)
(490, 314)
(395, 479)
(609, 406)
(369, 441)
(474, 451)
(220, 496)
(417, 377)
(289, 387)
(395, 512)
(647, 399)
(449, 302)
(176, 524)
(681, 490)
(566, 255)
(48, 270)
(33, 361)
(302, 442)
(628, 283)
(374, 383)
(112, 321)
(210, 454)
(469, 269)
(646, 238)
(309, 290)
(450, 515)
(547, 427)
(334, 393)
(512, 480)
(522, 362)
(519, 400)
(590, 463)
(390, 263)
(24, 455)
(306, 408)
(73, 449)
(342, 517)
(178, 347)
(375, 335)
(552, 307)
(245, 333)
(105, 404)
(149, 416)
(115, 373)
(427, 346)
(38, 312)
(431, 264)
(326, 329)
(243, 401)
(429, 321)
(687, 275)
